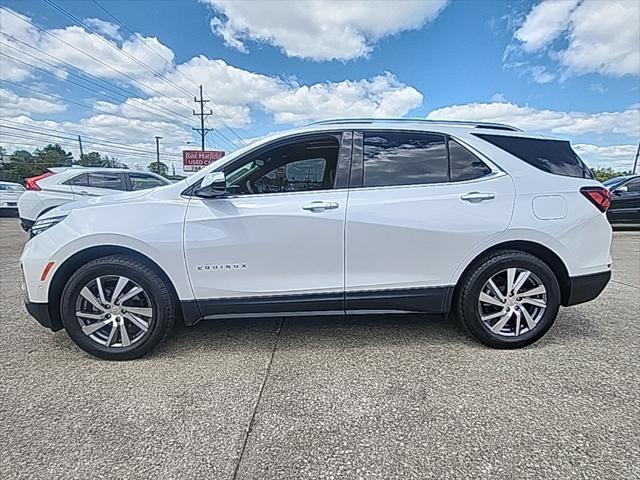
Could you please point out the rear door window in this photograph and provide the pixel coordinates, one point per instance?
(111, 181)
(552, 156)
(404, 158)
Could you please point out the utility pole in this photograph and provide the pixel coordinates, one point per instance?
(635, 162)
(158, 152)
(80, 142)
(203, 131)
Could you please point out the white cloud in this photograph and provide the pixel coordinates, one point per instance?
(596, 36)
(544, 23)
(12, 104)
(381, 96)
(618, 157)
(107, 28)
(319, 29)
(626, 122)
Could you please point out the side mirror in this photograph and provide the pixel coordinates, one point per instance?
(621, 190)
(213, 184)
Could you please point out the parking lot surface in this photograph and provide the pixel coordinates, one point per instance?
(388, 397)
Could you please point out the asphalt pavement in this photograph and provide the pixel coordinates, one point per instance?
(380, 397)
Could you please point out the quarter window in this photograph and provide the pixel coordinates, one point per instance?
(464, 165)
(403, 158)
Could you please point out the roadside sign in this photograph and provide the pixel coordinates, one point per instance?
(194, 160)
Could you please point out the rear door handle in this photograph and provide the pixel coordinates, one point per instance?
(477, 197)
(320, 206)
(83, 192)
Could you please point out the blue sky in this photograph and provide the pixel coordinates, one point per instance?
(569, 69)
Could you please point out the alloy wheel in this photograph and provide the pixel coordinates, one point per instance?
(114, 311)
(512, 302)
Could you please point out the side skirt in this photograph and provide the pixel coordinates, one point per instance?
(433, 300)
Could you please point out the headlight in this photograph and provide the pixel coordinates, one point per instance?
(45, 224)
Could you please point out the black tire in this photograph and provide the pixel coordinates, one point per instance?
(162, 303)
(470, 287)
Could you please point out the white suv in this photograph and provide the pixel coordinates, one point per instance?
(62, 185)
(355, 216)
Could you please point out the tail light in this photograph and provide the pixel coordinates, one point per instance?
(31, 183)
(599, 196)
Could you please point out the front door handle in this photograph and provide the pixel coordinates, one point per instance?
(477, 197)
(320, 206)
(83, 192)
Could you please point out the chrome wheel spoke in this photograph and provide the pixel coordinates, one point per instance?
(496, 290)
(137, 321)
(501, 323)
(486, 298)
(130, 294)
(535, 302)
(124, 335)
(511, 275)
(145, 312)
(91, 316)
(520, 281)
(90, 297)
(122, 282)
(518, 323)
(94, 327)
(486, 318)
(103, 299)
(112, 334)
(528, 318)
(539, 290)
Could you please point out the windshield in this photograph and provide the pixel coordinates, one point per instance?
(11, 188)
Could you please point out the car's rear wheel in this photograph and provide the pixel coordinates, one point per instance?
(117, 308)
(509, 299)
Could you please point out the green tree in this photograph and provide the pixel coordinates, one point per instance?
(94, 159)
(53, 156)
(159, 168)
(23, 164)
(604, 174)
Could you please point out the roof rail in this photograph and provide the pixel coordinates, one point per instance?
(347, 121)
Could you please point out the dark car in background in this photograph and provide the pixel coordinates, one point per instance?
(625, 200)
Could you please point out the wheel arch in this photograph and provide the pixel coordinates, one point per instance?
(544, 253)
(81, 257)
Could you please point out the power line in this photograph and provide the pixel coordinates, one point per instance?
(167, 62)
(160, 127)
(32, 143)
(126, 93)
(72, 136)
(139, 107)
(93, 58)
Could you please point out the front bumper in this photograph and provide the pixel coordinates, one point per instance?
(586, 287)
(40, 311)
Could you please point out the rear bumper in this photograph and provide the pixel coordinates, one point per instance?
(26, 224)
(586, 287)
(40, 311)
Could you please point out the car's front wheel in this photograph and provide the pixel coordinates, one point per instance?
(510, 299)
(117, 308)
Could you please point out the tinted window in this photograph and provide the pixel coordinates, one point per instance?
(552, 156)
(11, 188)
(399, 158)
(80, 180)
(464, 165)
(633, 185)
(308, 164)
(112, 181)
(140, 181)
